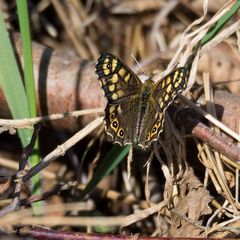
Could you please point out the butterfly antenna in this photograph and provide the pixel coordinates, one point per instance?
(138, 64)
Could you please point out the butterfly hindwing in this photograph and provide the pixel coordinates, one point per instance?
(152, 127)
(120, 121)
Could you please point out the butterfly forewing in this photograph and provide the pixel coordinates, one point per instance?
(166, 90)
(118, 81)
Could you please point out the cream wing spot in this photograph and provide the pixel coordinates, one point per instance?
(163, 84)
(166, 97)
(127, 77)
(114, 96)
(114, 64)
(168, 90)
(111, 87)
(176, 75)
(111, 109)
(160, 117)
(122, 72)
(106, 71)
(174, 94)
(119, 110)
(120, 93)
(161, 103)
(168, 80)
(176, 84)
(106, 61)
(114, 78)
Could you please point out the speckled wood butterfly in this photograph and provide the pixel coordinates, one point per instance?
(135, 110)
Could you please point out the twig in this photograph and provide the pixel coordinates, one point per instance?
(61, 149)
(53, 234)
(211, 118)
(57, 189)
(98, 192)
(23, 123)
(210, 137)
(26, 153)
(13, 165)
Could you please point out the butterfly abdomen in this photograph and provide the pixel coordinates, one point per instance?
(146, 94)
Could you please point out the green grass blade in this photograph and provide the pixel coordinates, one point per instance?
(27, 53)
(220, 24)
(11, 82)
(112, 159)
(30, 89)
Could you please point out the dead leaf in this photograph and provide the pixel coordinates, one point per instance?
(192, 203)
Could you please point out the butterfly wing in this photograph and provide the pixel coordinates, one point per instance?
(121, 120)
(152, 127)
(117, 80)
(166, 90)
(164, 93)
(121, 88)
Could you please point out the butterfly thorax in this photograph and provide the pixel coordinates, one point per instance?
(146, 91)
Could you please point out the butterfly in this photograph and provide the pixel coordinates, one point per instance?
(134, 113)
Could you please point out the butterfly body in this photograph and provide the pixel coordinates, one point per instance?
(135, 110)
(143, 108)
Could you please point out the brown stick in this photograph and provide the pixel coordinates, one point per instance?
(63, 84)
(50, 234)
(201, 131)
(27, 151)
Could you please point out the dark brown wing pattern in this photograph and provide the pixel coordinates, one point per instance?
(121, 87)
